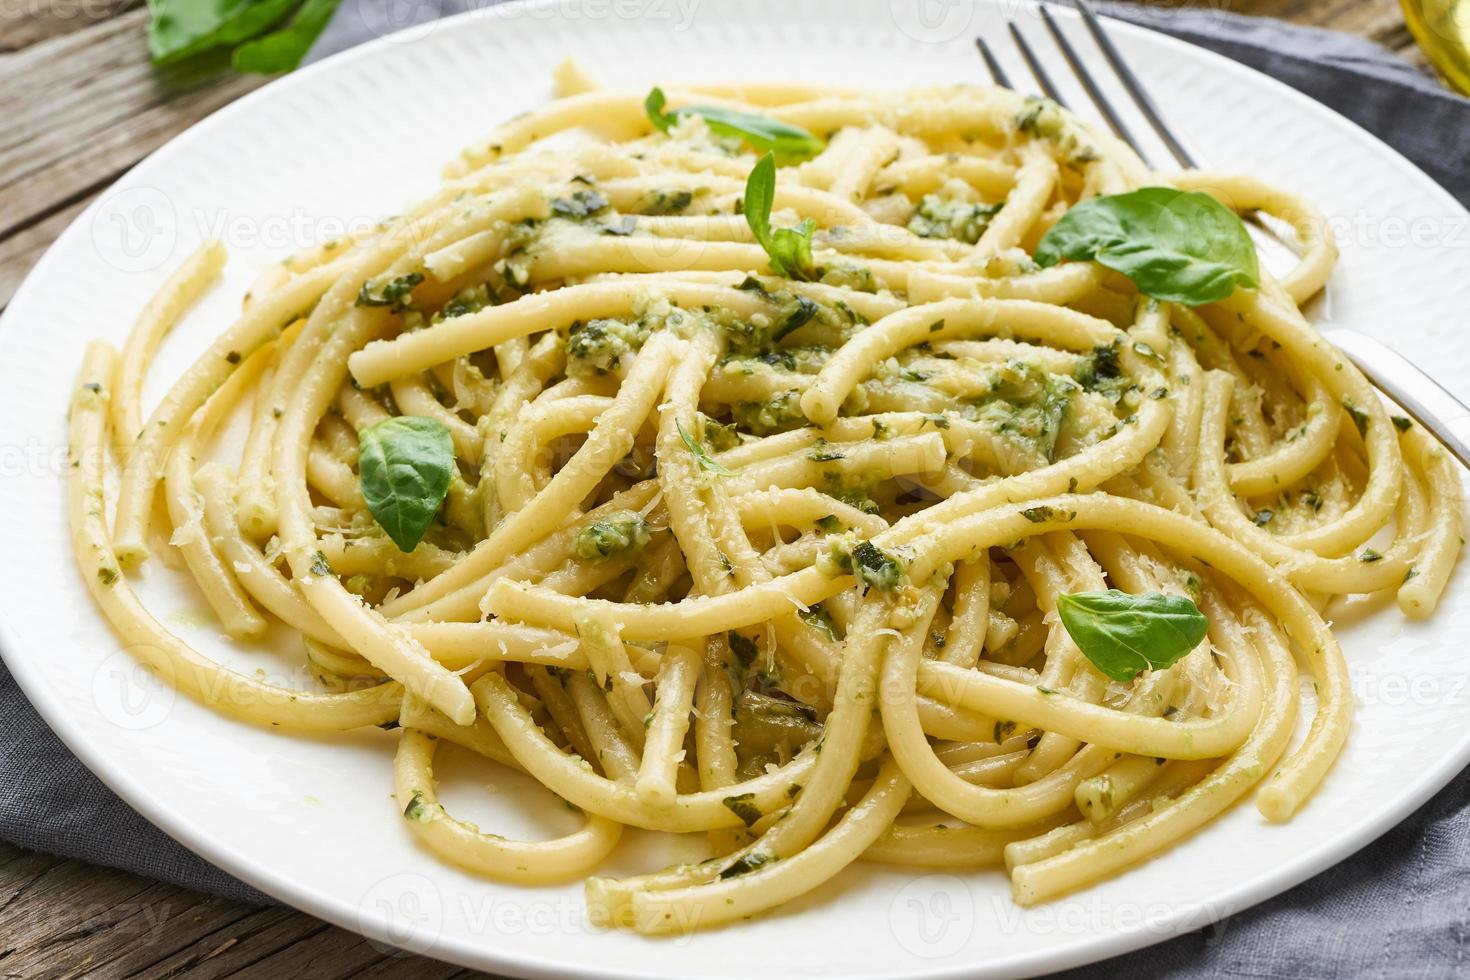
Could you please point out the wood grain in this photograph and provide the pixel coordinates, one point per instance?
(81, 105)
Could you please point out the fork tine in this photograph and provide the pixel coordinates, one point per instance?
(1032, 62)
(1085, 77)
(997, 73)
(1134, 86)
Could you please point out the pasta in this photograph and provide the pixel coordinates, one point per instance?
(761, 501)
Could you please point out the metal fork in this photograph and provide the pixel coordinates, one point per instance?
(1418, 394)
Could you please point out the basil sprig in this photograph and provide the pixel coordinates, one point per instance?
(1124, 634)
(790, 249)
(702, 458)
(265, 35)
(790, 144)
(1180, 246)
(404, 465)
(283, 49)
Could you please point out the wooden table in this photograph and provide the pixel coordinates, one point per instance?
(81, 105)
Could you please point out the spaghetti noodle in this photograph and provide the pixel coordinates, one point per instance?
(769, 544)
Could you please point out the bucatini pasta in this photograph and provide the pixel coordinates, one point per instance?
(760, 500)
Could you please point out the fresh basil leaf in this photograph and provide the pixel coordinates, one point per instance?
(405, 464)
(178, 29)
(790, 144)
(283, 50)
(1123, 634)
(1180, 246)
(702, 458)
(653, 105)
(790, 249)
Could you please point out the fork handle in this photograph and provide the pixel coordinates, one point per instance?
(1426, 400)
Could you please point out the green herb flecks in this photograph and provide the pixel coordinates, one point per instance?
(702, 458)
(616, 535)
(396, 294)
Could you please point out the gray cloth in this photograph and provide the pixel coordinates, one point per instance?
(1399, 908)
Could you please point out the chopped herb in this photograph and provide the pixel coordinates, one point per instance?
(798, 316)
(816, 617)
(702, 458)
(822, 452)
(1360, 417)
(598, 346)
(941, 217)
(622, 228)
(418, 809)
(871, 565)
(395, 294)
(666, 202)
(1401, 423)
(1370, 555)
(743, 648)
(744, 865)
(616, 535)
(1263, 517)
(743, 807)
(579, 205)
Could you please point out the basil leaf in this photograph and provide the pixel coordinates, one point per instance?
(283, 50)
(178, 29)
(790, 249)
(1180, 246)
(1123, 634)
(702, 458)
(404, 466)
(790, 144)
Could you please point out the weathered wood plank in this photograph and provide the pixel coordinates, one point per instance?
(82, 108)
(239, 945)
(24, 24)
(153, 924)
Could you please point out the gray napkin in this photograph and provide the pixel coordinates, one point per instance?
(1399, 908)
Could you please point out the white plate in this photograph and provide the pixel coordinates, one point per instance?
(310, 820)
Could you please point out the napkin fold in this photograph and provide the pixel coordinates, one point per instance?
(1397, 909)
